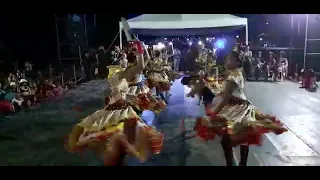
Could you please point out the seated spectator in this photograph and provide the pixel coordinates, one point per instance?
(6, 107)
(5, 102)
(17, 102)
(2, 92)
(40, 78)
(69, 85)
(33, 88)
(10, 94)
(309, 80)
(13, 87)
(18, 75)
(58, 90)
(24, 88)
(48, 88)
(25, 92)
(23, 75)
(29, 72)
(12, 78)
(40, 94)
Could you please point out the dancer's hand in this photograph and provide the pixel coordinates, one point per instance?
(143, 46)
(155, 138)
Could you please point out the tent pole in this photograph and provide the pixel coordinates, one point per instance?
(305, 42)
(120, 34)
(247, 35)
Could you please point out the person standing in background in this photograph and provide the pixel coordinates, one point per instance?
(29, 72)
(88, 67)
(284, 63)
(247, 64)
(101, 56)
(176, 59)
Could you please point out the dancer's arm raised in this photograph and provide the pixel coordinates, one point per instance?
(130, 72)
(147, 55)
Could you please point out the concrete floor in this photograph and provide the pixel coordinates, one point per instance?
(37, 135)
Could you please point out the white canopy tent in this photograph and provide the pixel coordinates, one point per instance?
(153, 23)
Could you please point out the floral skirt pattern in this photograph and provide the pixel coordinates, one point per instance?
(104, 132)
(146, 101)
(241, 120)
(160, 80)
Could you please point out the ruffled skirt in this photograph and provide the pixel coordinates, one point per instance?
(160, 80)
(140, 98)
(241, 120)
(200, 65)
(114, 131)
(172, 75)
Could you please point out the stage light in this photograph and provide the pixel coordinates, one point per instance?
(165, 38)
(170, 43)
(220, 43)
(237, 36)
(261, 39)
(207, 39)
(190, 43)
(188, 39)
(200, 42)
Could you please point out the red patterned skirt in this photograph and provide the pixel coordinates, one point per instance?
(241, 120)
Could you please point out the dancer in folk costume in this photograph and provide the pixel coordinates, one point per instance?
(139, 94)
(156, 73)
(166, 65)
(116, 131)
(201, 59)
(211, 61)
(200, 84)
(233, 117)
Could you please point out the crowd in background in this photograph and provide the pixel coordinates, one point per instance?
(26, 87)
(266, 65)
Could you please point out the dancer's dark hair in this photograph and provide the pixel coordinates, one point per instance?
(132, 58)
(186, 80)
(157, 53)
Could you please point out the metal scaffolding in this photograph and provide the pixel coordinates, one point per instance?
(311, 22)
(72, 37)
(72, 42)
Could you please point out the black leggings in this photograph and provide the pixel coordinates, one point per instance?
(228, 152)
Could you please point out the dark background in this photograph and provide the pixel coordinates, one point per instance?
(33, 38)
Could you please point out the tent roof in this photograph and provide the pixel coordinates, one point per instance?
(185, 21)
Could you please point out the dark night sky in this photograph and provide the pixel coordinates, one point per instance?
(30, 37)
(34, 38)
